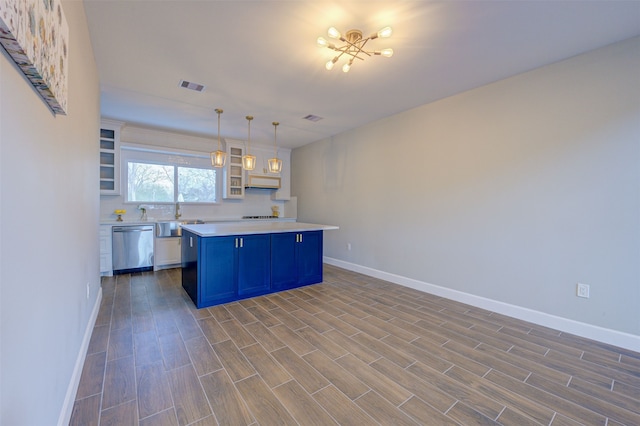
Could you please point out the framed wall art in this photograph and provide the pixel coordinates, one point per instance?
(35, 34)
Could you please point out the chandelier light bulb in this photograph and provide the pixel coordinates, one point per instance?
(387, 52)
(346, 67)
(385, 32)
(333, 33)
(329, 65)
(322, 42)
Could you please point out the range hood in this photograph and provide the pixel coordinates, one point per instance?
(262, 182)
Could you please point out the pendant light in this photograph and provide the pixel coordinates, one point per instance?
(218, 157)
(249, 161)
(275, 164)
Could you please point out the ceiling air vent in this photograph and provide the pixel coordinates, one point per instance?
(191, 86)
(312, 117)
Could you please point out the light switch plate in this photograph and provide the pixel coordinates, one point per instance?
(582, 290)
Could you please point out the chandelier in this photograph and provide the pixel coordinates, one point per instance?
(353, 47)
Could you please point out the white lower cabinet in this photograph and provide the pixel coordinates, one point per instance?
(167, 253)
(106, 259)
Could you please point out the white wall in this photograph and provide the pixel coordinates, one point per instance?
(48, 233)
(513, 192)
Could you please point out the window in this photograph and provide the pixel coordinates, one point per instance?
(150, 182)
(156, 177)
(196, 185)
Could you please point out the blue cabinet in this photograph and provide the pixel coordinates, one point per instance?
(310, 258)
(217, 273)
(296, 259)
(253, 256)
(222, 269)
(284, 262)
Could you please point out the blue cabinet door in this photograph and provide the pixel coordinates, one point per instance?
(217, 271)
(254, 255)
(284, 262)
(309, 254)
(296, 259)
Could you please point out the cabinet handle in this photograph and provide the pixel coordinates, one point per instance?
(241, 242)
(300, 237)
(236, 242)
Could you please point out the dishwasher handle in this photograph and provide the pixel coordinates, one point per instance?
(132, 228)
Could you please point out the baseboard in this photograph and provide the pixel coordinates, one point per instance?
(72, 390)
(601, 334)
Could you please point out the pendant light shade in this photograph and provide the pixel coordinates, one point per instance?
(248, 160)
(218, 157)
(275, 164)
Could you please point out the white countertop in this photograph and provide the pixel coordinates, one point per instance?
(153, 221)
(247, 228)
(127, 222)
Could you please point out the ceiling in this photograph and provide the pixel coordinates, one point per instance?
(260, 58)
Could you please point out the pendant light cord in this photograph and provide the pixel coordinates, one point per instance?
(275, 138)
(219, 111)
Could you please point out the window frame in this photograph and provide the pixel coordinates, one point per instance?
(166, 157)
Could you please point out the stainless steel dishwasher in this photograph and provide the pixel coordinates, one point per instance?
(132, 248)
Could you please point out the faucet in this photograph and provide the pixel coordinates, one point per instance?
(178, 214)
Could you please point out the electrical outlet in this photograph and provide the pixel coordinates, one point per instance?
(349, 246)
(582, 290)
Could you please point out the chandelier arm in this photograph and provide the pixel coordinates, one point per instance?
(342, 52)
(354, 49)
(357, 45)
(361, 47)
(355, 56)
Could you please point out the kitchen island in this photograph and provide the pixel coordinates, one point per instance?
(224, 262)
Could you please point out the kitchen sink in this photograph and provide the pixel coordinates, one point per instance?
(171, 228)
(166, 229)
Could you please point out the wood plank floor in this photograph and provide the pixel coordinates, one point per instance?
(353, 350)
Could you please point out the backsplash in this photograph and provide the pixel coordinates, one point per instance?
(256, 202)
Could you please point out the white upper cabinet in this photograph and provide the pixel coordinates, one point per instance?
(233, 185)
(110, 157)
